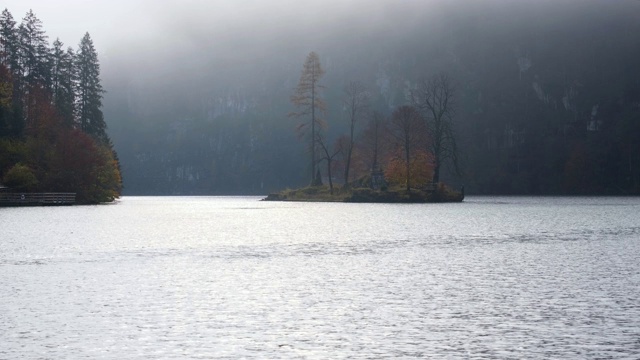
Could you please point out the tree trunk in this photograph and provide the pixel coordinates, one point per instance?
(348, 165)
(436, 172)
(329, 173)
(407, 163)
(313, 135)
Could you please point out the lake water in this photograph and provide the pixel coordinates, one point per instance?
(233, 277)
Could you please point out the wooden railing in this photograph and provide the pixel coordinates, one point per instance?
(18, 199)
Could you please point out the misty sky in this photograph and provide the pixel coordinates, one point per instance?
(121, 22)
(161, 36)
(135, 37)
(133, 26)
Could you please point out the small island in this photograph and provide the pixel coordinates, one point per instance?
(397, 158)
(439, 194)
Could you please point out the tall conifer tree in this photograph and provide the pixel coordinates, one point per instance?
(9, 41)
(13, 123)
(35, 67)
(89, 91)
(62, 81)
(34, 52)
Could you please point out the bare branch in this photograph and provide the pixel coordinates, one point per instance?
(435, 98)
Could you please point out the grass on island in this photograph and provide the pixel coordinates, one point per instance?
(442, 193)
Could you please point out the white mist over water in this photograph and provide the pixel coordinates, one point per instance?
(203, 277)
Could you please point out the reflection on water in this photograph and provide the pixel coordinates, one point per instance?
(234, 277)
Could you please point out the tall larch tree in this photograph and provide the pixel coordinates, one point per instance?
(89, 91)
(306, 98)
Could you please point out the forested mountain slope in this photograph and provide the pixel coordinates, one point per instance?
(547, 96)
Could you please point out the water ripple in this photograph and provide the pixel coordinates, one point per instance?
(199, 278)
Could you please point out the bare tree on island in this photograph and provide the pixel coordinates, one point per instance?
(356, 103)
(329, 156)
(371, 142)
(307, 99)
(434, 97)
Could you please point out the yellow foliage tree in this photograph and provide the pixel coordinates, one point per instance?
(420, 169)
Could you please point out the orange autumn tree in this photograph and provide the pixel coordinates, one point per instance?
(407, 138)
(83, 165)
(68, 159)
(41, 133)
(420, 169)
(372, 146)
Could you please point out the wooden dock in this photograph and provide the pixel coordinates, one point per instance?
(37, 199)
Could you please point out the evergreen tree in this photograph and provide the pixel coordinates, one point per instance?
(35, 67)
(57, 54)
(12, 76)
(62, 81)
(34, 52)
(89, 91)
(9, 42)
(6, 92)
